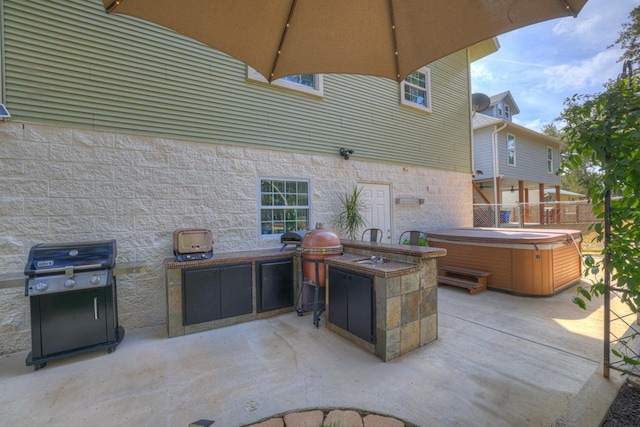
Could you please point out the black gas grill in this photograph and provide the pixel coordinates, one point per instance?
(73, 300)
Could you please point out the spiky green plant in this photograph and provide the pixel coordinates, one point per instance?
(350, 219)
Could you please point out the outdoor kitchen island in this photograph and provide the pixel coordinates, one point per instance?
(404, 295)
(402, 292)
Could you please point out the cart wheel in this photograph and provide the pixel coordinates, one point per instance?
(39, 366)
(111, 350)
(300, 312)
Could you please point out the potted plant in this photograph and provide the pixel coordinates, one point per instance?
(350, 219)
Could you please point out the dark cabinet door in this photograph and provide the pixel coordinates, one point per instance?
(213, 293)
(351, 303)
(275, 284)
(338, 298)
(72, 320)
(360, 316)
(235, 290)
(200, 295)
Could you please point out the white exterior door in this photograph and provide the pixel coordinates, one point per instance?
(377, 208)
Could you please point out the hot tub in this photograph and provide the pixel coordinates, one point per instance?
(529, 261)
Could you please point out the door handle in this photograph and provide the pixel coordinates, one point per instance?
(95, 308)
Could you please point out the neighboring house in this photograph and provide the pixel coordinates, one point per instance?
(123, 129)
(518, 165)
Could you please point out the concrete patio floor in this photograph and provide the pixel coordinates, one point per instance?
(500, 360)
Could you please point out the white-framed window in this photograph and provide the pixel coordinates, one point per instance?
(549, 160)
(415, 89)
(506, 111)
(284, 206)
(499, 110)
(511, 150)
(308, 83)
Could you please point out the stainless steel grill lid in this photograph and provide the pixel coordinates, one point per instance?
(51, 258)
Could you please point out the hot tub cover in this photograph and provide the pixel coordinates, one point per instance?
(505, 235)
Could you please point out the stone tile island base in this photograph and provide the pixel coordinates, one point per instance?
(405, 293)
(406, 304)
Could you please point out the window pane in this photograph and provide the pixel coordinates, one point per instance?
(266, 214)
(415, 95)
(302, 79)
(418, 79)
(284, 206)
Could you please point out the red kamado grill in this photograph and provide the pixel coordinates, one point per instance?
(72, 295)
(316, 245)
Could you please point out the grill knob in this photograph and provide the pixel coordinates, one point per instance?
(42, 286)
(95, 280)
(69, 283)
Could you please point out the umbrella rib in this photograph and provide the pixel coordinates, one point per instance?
(284, 35)
(395, 41)
(569, 8)
(113, 5)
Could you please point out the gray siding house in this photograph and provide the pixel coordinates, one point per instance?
(518, 165)
(122, 129)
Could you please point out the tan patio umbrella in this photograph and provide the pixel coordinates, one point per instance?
(385, 38)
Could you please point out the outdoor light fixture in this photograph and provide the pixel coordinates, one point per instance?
(345, 153)
(512, 189)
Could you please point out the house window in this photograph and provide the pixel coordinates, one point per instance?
(506, 111)
(416, 89)
(308, 83)
(511, 150)
(284, 206)
(549, 160)
(499, 110)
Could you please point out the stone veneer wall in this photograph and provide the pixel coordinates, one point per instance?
(60, 184)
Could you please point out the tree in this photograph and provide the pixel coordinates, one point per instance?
(578, 180)
(629, 38)
(604, 129)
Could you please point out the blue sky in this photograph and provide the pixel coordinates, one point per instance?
(545, 63)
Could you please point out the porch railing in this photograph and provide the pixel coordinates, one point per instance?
(524, 215)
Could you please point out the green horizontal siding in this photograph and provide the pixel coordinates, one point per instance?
(69, 63)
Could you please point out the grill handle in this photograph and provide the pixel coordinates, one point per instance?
(95, 308)
(68, 268)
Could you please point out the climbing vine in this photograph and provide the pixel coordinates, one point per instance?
(604, 130)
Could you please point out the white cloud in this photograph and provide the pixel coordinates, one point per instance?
(589, 73)
(577, 27)
(535, 124)
(481, 72)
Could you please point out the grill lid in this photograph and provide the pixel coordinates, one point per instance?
(321, 241)
(49, 258)
(292, 237)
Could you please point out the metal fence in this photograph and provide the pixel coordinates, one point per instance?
(524, 215)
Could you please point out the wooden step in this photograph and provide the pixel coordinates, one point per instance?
(472, 286)
(473, 280)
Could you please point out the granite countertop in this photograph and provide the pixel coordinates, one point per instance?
(231, 257)
(424, 252)
(386, 269)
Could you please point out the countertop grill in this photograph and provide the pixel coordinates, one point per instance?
(292, 238)
(73, 299)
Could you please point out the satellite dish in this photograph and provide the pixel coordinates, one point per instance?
(480, 101)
